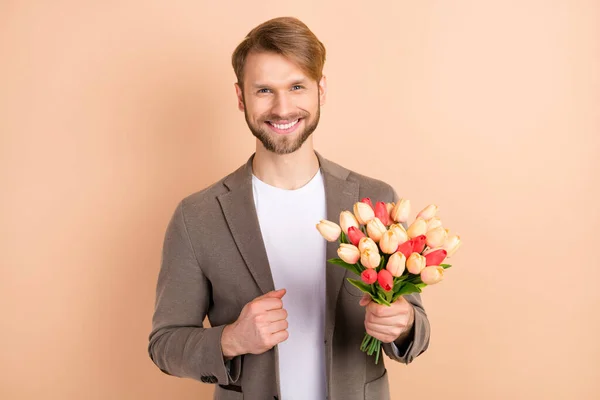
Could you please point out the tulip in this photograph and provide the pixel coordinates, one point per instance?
(417, 228)
(433, 223)
(432, 275)
(396, 264)
(347, 220)
(370, 259)
(367, 200)
(389, 207)
(436, 237)
(354, 235)
(385, 279)
(452, 244)
(375, 229)
(401, 210)
(428, 212)
(434, 256)
(329, 230)
(400, 232)
(369, 276)
(382, 213)
(363, 212)
(415, 263)
(367, 243)
(419, 243)
(389, 242)
(349, 253)
(406, 248)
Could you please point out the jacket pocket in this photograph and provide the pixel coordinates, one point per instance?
(228, 393)
(379, 389)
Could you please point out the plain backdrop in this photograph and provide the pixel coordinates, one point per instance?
(112, 111)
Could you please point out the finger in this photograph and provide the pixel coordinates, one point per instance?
(276, 294)
(276, 315)
(384, 329)
(383, 311)
(279, 337)
(365, 299)
(278, 326)
(267, 304)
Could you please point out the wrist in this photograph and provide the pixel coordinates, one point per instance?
(229, 346)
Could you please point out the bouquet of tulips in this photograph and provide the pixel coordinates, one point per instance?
(391, 257)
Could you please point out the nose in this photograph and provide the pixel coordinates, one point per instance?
(282, 106)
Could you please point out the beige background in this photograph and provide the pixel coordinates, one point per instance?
(111, 112)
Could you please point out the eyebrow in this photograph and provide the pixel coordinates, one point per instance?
(300, 81)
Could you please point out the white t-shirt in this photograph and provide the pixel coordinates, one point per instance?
(297, 257)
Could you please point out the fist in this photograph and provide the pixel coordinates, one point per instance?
(261, 325)
(388, 323)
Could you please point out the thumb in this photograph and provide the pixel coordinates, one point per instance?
(274, 294)
(366, 299)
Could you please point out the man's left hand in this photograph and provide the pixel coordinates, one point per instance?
(388, 323)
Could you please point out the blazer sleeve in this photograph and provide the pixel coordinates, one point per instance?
(418, 340)
(179, 345)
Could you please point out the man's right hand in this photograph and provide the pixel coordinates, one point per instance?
(261, 325)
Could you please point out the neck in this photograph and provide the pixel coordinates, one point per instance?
(286, 171)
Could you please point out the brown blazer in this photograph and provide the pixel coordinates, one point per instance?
(214, 262)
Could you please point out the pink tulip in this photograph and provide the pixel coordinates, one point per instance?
(435, 257)
(367, 200)
(369, 276)
(385, 279)
(348, 253)
(382, 213)
(406, 248)
(329, 230)
(419, 243)
(354, 235)
(432, 275)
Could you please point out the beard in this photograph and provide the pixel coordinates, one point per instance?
(283, 144)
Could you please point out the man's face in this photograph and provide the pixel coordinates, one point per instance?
(280, 102)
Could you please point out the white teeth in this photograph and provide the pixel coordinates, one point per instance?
(286, 126)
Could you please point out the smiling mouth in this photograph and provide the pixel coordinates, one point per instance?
(284, 126)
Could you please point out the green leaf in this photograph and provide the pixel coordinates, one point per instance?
(384, 296)
(360, 285)
(408, 288)
(343, 238)
(445, 266)
(350, 267)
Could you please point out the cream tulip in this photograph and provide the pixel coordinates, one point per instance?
(401, 211)
(432, 274)
(396, 264)
(400, 232)
(329, 230)
(347, 220)
(417, 228)
(436, 237)
(415, 263)
(389, 242)
(390, 207)
(433, 223)
(375, 229)
(428, 212)
(367, 243)
(363, 212)
(348, 253)
(452, 244)
(370, 259)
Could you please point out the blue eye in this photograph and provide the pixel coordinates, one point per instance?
(264, 90)
(296, 86)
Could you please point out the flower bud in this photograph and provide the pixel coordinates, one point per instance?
(367, 243)
(385, 279)
(428, 212)
(436, 237)
(367, 200)
(396, 264)
(452, 244)
(400, 232)
(389, 207)
(389, 242)
(417, 228)
(401, 211)
(419, 243)
(375, 229)
(363, 212)
(329, 230)
(415, 263)
(432, 275)
(382, 213)
(434, 256)
(369, 276)
(370, 259)
(348, 253)
(354, 235)
(433, 223)
(347, 220)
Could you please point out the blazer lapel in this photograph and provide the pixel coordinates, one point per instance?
(240, 213)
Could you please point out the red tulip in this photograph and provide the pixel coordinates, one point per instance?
(382, 213)
(419, 243)
(369, 276)
(406, 248)
(435, 257)
(368, 201)
(386, 280)
(355, 234)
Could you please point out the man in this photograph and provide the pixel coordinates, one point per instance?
(228, 247)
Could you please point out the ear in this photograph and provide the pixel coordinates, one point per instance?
(240, 97)
(323, 89)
